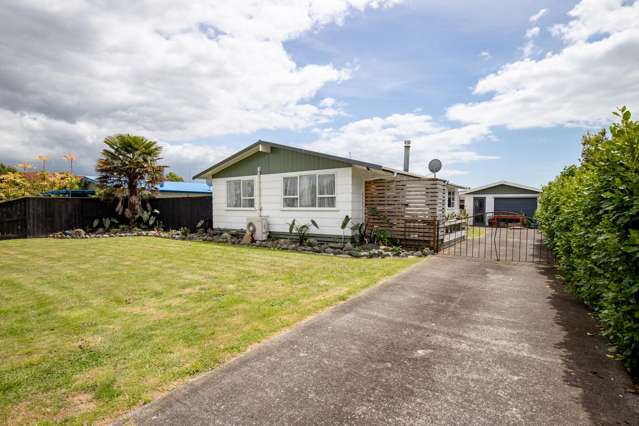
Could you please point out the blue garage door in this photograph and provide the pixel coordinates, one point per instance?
(523, 205)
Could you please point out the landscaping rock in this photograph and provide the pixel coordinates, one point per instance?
(233, 237)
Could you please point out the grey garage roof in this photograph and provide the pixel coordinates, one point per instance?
(503, 187)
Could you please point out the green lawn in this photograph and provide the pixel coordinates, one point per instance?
(92, 328)
(475, 232)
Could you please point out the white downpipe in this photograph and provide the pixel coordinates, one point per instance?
(259, 191)
(209, 182)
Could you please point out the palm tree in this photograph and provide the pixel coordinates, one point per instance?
(44, 159)
(70, 158)
(129, 171)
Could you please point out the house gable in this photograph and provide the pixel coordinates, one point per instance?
(503, 189)
(279, 160)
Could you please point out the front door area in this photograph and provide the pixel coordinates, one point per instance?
(479, 211)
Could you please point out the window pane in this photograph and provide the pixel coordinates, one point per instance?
(326, 202)
(308, 191)
(290, 202)
(247, 188)
(326, 185)
(290, 186)
(233, 193)
(248, 202)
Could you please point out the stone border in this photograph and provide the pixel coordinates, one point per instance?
(234, 237)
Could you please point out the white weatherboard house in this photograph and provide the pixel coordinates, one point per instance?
(273, 183)
(502, 196)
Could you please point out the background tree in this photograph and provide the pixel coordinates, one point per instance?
(172, 177)
(16, 185)
(6, 169)
(70, 158)
(44, 159)
(24, 166)
(129, 171)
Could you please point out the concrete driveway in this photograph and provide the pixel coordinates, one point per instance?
(450, 341)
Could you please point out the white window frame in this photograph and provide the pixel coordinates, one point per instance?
(317, 196)
(451, 200)
(242, 197)
(291, 197)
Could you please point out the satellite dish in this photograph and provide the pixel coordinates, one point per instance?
(434, 166)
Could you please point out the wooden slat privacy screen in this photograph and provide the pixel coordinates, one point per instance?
(413, 210)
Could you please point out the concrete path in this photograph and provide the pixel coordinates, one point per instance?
(451, 341)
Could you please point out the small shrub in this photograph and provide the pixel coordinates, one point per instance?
(301, 230)
(382, 236)
(344, 225)
(104, 223)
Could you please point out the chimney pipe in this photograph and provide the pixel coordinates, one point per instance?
(406, 154)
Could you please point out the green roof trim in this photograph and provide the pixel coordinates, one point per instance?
(275, 158)
(279, 161)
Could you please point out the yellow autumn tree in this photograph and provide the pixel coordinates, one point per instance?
(16, 185)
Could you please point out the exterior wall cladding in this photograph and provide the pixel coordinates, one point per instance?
(349, 190)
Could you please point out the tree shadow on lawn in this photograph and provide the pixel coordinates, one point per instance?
(607, 391)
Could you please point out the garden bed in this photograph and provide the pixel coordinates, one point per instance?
(236, 237)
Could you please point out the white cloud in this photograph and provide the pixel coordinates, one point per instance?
(580, 85)
(532, 32)
(380, 140)
(485, 55)
(537, 16)
(169, 70)
(24, 136)
(603, 17)
(530, 48)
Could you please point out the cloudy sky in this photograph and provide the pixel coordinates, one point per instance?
(495, 92)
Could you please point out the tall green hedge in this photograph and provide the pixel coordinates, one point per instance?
(590, 216)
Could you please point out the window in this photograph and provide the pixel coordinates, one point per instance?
(451, 199)
(290, 191)
(309, 191)
(240, 194)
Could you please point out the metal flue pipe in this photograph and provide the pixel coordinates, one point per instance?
(406, 155)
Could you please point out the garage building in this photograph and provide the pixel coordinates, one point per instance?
(502, 196)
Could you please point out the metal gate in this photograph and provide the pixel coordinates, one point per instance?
(498, 236)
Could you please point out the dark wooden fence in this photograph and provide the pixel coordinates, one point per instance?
(38, 216)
